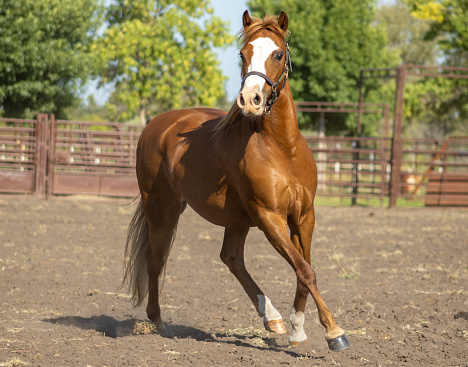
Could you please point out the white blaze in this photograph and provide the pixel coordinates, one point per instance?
(266, 309)
(297, 324)
(262, 49)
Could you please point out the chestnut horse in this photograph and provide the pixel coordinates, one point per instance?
(248, 168)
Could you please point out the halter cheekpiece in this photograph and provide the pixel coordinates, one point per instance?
(274, 86)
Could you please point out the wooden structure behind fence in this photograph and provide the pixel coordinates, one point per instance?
(56, 157)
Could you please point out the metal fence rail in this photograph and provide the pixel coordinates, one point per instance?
(56, 157)
(435, 171)
(88, 147)
(352, 167)
(94, 158)
(18, 145)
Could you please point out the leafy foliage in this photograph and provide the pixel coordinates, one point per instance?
(159, 54)
(406, 35)
(406, 38)
(89, 111)
(44, 54)
(448, 20)
(434, 107)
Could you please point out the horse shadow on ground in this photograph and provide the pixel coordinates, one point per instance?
(107, 325)
(112, 328)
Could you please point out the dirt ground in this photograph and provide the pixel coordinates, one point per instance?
(396, 280)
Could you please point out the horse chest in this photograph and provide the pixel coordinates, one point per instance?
(274, 186)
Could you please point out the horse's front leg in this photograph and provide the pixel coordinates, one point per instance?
(275, 228)
(232, 254)
(301, 237)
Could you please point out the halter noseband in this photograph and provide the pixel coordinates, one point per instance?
(274, 86)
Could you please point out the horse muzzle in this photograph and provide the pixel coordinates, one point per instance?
(251, 101)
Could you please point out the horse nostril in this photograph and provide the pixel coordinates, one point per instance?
(241, 100)
(257, 100)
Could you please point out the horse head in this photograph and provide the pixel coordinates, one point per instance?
(265, 57)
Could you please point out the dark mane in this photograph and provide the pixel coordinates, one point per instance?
(270, 23)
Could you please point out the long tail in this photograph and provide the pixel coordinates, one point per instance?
(137, 251)
(135, 267)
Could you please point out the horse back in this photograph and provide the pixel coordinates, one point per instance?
(171, 126)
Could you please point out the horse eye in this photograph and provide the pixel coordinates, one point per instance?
(241, 56)
(279, 56)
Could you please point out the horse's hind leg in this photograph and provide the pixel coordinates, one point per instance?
(232, 254)
(162, 215)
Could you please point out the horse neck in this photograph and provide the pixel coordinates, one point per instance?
(281, 124)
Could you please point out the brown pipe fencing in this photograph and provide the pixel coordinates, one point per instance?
(352, 167)
(56, 157)
(435, 171)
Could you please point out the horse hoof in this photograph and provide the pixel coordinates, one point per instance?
(338, 344)
(165, 331)
(295, 343)
(161, 328)
(275, 326)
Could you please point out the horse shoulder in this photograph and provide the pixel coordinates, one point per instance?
(281, 182)
(305, 177)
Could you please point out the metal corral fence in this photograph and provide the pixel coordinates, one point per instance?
(18, 155)
(352, 167)
(435, 171)
(56, 157)
(431, 171)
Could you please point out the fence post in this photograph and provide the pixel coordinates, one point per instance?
(397, 145)
(41, 155)
(322, 157)
(357, 144)
(355, 172)
(51, 156)
(44, 131)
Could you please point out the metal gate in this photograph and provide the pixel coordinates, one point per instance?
(19, 149)
(94, 159)
(55, 157)
(353, 168)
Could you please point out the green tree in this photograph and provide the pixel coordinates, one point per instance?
(440, 106)
(330, 42)
(448, 21)
(406, 35)
(434, 107)
(45, 58)
(159, 54)
(88, 110)
(406, 38)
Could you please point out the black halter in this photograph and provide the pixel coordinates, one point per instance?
(274, 86)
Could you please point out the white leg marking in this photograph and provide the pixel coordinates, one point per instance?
(266, 309)
(297, 323)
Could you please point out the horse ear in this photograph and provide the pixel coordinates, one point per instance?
(246, 19)
(283, 21)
